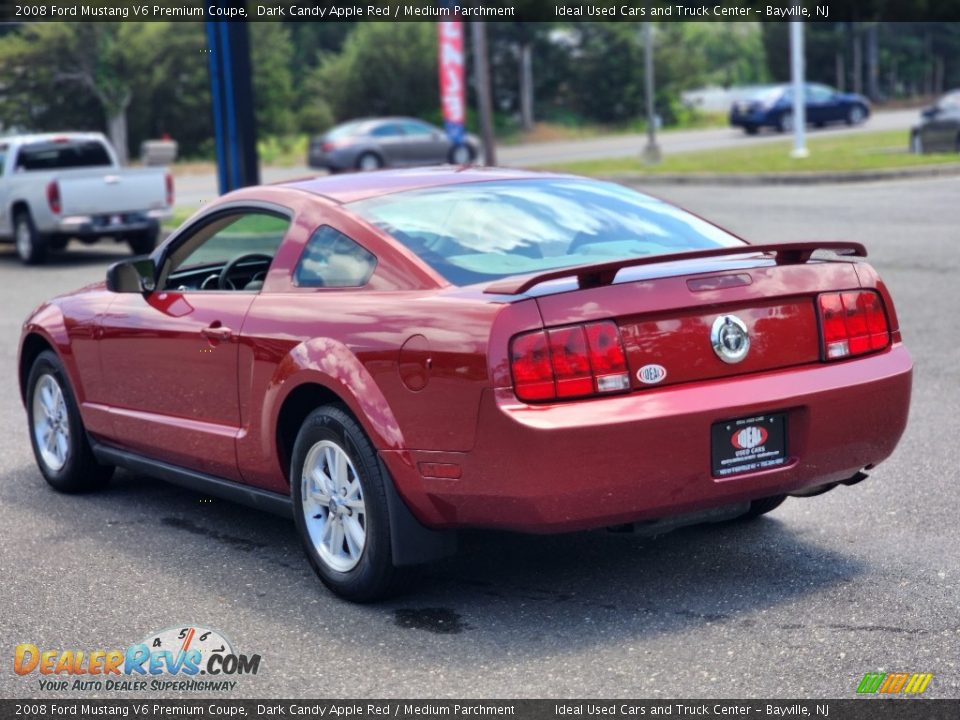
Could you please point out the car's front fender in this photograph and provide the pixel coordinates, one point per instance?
(44, 327)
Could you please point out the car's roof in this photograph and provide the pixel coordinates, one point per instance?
(360, 186)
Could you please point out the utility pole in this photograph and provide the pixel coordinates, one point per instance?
(797, 72)
(651, 153)
(484, 100)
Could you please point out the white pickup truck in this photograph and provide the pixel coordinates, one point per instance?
(56, 187)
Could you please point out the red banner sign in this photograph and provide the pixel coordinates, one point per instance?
(452, 90)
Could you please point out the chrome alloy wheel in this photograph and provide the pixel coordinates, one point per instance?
(51, 424)
(333, 507)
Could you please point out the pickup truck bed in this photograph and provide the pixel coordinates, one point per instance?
(57, 188)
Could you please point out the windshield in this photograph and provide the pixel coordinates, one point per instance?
(483, 231)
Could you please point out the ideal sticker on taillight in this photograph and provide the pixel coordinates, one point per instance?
(651, 374)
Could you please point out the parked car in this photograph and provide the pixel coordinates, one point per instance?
(55, 187)
(773, 107)
(389, 356)
(372, 144)
(939, 128)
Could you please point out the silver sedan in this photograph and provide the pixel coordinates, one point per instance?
(372, 144)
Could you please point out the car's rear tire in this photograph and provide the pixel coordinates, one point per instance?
(751, 129)
(761, 507)
(144, 242)
(340, 507)
(369, 161)
(461, 155)
(57, 435)
(856, 115)
(31, 243)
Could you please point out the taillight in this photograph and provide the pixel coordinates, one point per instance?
(53, 197)
(853, 323)
(568, 362)
(532, 371)
(607, 358)
(168, 180)
(571, 366)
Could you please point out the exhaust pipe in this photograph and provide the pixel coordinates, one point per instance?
(859, 476)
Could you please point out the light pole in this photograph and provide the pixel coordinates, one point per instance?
(797, 73)
(651, 153)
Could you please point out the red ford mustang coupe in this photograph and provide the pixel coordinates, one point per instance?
(390, 356)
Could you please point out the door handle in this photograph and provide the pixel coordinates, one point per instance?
(217, 332)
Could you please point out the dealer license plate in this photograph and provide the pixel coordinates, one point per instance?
(748, 444)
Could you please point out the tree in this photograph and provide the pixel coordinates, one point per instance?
(271, 53)
(383, 69)
(96, 58)
(172, 88)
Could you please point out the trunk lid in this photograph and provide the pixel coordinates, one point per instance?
(666, 313)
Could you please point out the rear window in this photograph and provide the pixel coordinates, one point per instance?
(347, 130)
(483, 231)
(61, 155)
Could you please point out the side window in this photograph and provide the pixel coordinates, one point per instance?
(819, 93)
(417, 128)
(389, 130)
(331, 259)
(247, 240)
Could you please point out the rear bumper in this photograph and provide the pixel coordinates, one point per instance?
(646, 455)
(105, 225)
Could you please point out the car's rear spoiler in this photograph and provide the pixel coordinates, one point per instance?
(792, 253)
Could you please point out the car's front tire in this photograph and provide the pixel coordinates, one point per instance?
(31, 243)
(340, 507)
(57, 434)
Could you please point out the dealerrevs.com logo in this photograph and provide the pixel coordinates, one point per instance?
(894, 683)
(190, 658)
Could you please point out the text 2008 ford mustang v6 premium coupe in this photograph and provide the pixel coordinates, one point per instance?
(390, 356)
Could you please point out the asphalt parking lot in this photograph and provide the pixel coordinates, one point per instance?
(801, 603)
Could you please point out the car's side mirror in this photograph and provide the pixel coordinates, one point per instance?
(136, 275)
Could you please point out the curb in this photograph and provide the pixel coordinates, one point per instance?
(785, 178)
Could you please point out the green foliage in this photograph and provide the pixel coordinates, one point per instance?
(273, 93)
(172, 90)
(832, 153)
(732, 52)
(383, 69)
(309, 76)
